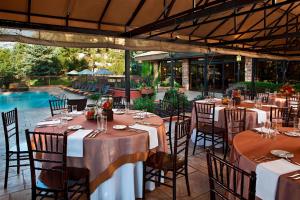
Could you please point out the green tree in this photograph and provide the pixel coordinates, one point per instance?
(42, 60)
(69, 59)
(7, 73)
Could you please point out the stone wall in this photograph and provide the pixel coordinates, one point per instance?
(185, 74)
(248, 68)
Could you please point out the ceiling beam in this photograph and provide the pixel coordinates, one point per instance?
(136, 11)
(103, 13)
(189, 15)
(263, 38)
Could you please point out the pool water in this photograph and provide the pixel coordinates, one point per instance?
(24, 100)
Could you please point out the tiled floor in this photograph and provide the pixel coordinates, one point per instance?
(19, 185)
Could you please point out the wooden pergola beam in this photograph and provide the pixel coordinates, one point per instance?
(136, 11)
(189, 15)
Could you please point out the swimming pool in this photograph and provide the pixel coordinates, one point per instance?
(24, 100)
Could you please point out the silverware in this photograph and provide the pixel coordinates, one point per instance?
(95, 134)
(91, 133)
(294, 175)
(296, 178)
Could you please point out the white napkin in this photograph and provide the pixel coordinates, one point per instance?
(49, 123)
(270, 106)
(261, 115)
(75, 143)
(267, 177)
(217, 110)
(201, 101)
(75, 113)
(153, 138)
(248, 101)
(264, 130)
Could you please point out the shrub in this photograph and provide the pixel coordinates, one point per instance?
(144, 103)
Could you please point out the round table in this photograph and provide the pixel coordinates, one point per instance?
(249, 145)
(115, 158)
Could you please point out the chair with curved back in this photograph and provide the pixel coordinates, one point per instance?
(205, 126)
(280, 115)
(50, 176)
(176, 163)
(14, 153)
(235, 122)
(263, 96)
(81, 103)
(227, 181)
(57, 105)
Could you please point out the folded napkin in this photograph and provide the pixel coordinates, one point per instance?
(49, 123)
(75, 113)
(201, 101)
(267, 177)
(270, 106)
(217, 110)
(75, 143)
(248, 101)
(153, 138)
(261, 115)
(264, 130)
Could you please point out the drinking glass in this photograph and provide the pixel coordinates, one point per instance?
(127, 108)
(74, 108)
(104, 123)
(99, 122)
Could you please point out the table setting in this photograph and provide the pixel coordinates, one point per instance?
(111, 150)
(276, 160)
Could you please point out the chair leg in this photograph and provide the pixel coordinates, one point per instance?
(174, 184)
(6, 171)
(213, 142)
(144, 181)
(187, 180)
(159, 178)
(170, 143)
(195, 144)
(18, 163)
(87, 185)
(204, 141)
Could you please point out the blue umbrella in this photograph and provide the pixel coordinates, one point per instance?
(103, 71)
(86, 72)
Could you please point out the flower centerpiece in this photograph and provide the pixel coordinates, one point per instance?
(287, 90)
(107, 109)
(236, 97)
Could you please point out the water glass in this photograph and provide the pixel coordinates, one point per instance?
(99, 122)
(127, 108)
(104, 123)
(74, 108)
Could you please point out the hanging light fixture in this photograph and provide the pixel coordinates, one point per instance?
(238, 58)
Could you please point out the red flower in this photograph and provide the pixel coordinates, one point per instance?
(106, 105)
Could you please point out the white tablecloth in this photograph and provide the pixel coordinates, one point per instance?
(125, 184)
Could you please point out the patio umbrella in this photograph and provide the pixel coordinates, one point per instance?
(103, 71)
(86, 72)
(73, 73)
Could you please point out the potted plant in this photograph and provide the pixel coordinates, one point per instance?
(144, 103)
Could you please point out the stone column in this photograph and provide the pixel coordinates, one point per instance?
(248, 69)
(185, 74)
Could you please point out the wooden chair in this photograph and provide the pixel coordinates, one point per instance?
(235, 122)
(280, 115)
(227, 180)
(263, 96)
(50, 176)
(81, 103)
(17, 153)
(176, 163)
(57, 105)
(205, 126)
(119, 102)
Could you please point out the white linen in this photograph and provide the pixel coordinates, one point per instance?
(267, 177)
(75, 113)
(217, 111)
(153, 138)
(125, 184)
(270, 106)
(248, 101)
(264, 130)
(261, 115)
(75, 143)
(49, 123)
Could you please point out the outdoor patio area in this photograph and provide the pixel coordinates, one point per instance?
(150, 99)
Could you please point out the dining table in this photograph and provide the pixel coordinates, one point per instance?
(255, 117)
(276, 161)
(114, 157)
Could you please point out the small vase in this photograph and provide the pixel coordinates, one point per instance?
(236, 100)
(109, 114)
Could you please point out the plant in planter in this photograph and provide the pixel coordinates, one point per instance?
(95, 97)
(144, 103)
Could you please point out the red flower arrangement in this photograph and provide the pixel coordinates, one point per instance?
(287, 90)
(236, 94)
(107, 105)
